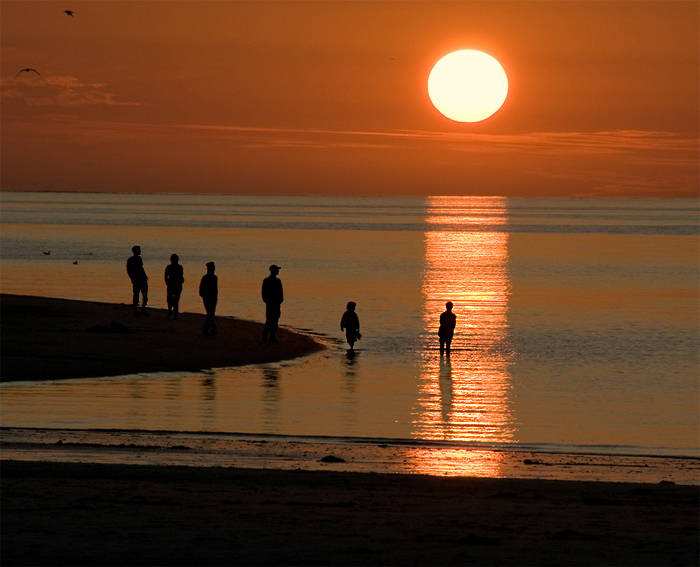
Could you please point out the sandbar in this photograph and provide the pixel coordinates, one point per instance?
(52, 339)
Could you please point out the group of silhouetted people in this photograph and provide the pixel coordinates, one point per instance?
(174, 278)
(272, 295)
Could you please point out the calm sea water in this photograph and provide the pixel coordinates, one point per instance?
(577, 320)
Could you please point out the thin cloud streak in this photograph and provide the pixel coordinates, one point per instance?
(571, 143)
(623, 139)
(659, 147)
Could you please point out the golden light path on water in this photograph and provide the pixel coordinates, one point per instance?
(464, 396)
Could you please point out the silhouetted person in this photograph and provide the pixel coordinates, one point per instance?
(209, 292)
(174, 278)
(139, 280)
(273, 296)
(448, 321)
(351, 325)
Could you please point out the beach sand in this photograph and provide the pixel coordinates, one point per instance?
(94, 514)
(51, 339)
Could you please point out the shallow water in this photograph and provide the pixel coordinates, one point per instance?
(577, 320)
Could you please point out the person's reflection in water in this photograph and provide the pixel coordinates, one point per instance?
(138, 402)
(348, 414)
(174, 278)
(448, 321)
(350, 364)
(173, 388)
(172, 398)
(271, 399)
(209, 400)
(446, 391)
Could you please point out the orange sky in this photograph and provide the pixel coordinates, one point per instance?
(331, 98)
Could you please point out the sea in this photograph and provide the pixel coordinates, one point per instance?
(577, 319)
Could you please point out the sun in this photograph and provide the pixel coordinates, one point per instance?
(468, 86)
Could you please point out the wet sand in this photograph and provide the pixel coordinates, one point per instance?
(53, 339)
(93, 514)
(311, 453)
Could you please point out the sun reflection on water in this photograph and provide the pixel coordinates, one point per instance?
(464, 396)
(455, 462)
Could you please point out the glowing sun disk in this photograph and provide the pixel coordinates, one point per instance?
(467, 86)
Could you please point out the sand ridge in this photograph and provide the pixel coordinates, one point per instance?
(50, 339)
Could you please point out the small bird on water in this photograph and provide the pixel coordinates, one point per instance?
(27, 70)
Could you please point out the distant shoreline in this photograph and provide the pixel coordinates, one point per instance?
(369, 195)
(52, 339)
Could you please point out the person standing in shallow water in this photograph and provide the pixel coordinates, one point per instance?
(174, 278)
(351, 325)
(448, 321)
(209, 292)
(273, 296)
(139, 280)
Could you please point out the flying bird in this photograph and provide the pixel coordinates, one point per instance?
(47, 253)
(27, 71)
(69, 12)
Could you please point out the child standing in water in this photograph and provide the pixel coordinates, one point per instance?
(351, 325)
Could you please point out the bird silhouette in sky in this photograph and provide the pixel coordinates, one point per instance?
(69, 12)
(27, 71)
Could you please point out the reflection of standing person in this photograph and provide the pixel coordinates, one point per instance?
(209, 292)
(448, 321)
(174, 278)
(446, 389)
(351, 325)
(273, 296)
(139, 280)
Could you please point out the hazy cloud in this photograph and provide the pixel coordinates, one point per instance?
(58, 90)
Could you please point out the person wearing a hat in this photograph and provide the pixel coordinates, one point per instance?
(273, 297)
(209, 292)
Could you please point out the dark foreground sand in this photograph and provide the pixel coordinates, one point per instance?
(91, 514)
(50, 339)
